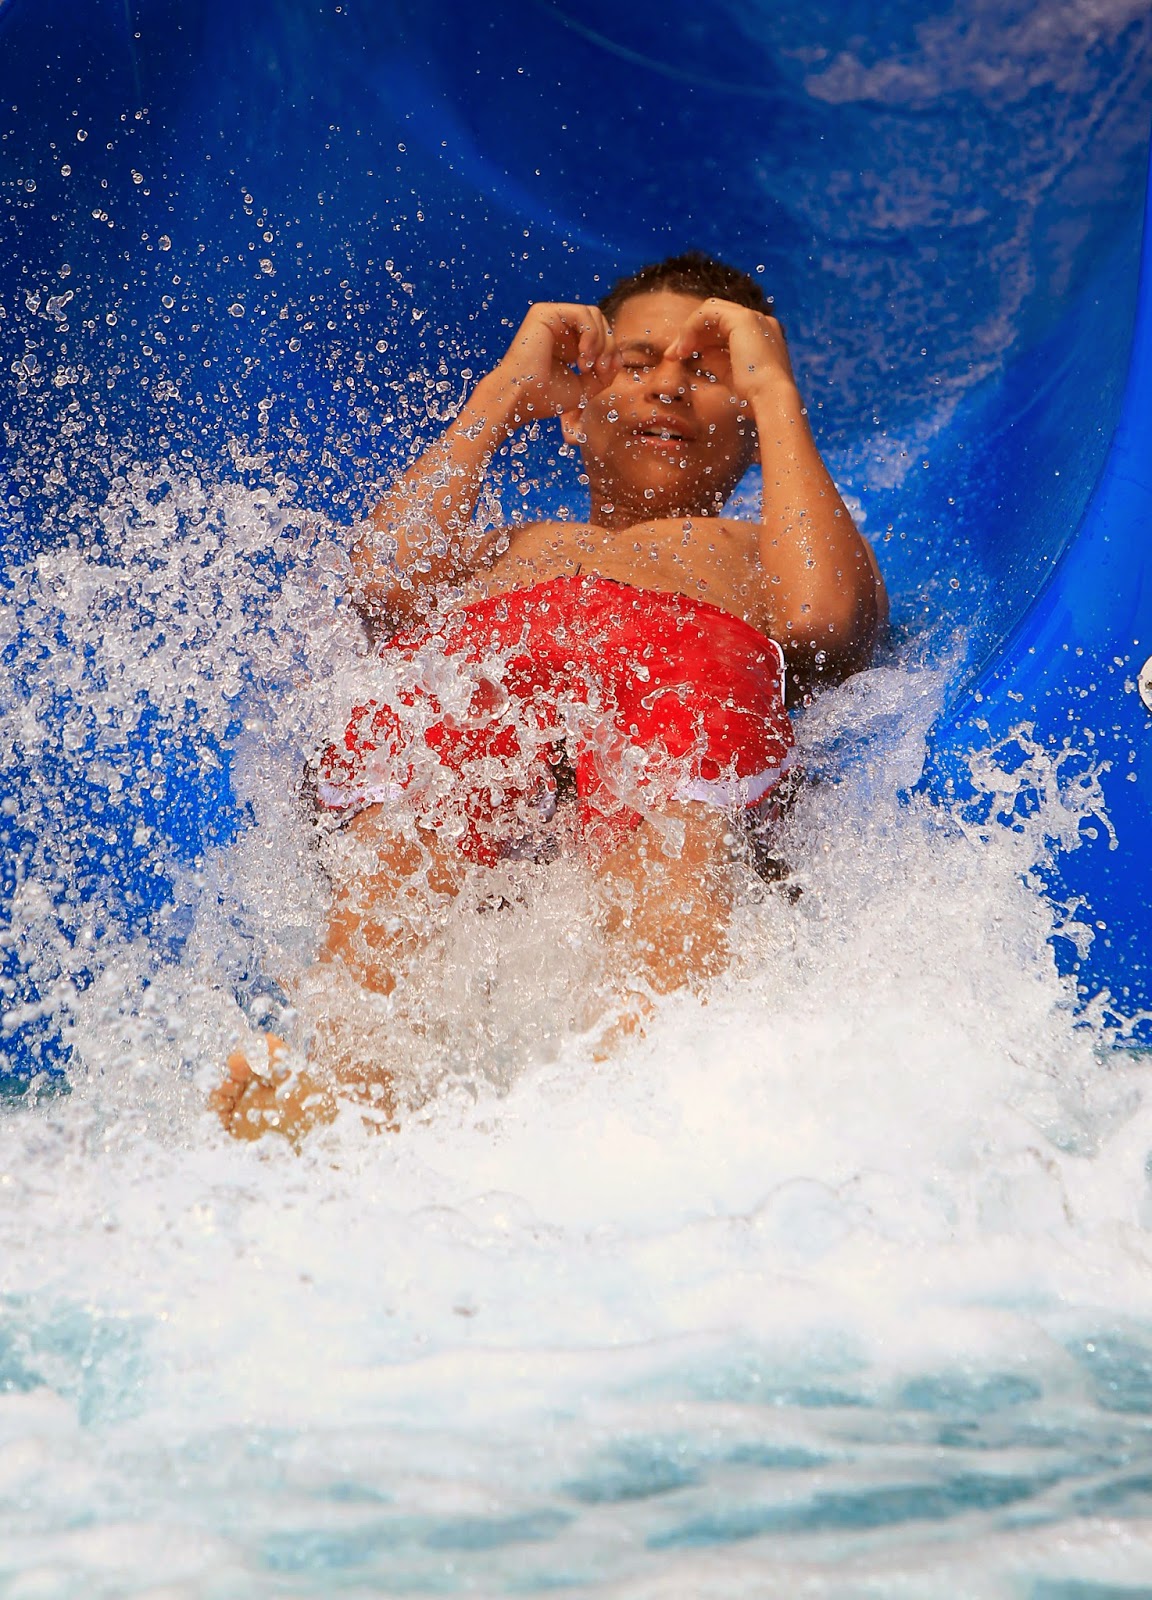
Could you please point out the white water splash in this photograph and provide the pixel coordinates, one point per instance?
(842, 1262)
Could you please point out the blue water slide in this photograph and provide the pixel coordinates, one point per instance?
(1074, 675)
(283, 231)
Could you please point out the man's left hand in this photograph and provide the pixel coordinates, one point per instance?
(754, 343)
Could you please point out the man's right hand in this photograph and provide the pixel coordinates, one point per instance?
(561, 356)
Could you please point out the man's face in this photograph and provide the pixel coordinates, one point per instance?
(666, 437)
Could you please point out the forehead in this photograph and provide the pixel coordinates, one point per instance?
(654, 317)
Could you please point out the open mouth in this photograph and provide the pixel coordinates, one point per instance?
(662, 435)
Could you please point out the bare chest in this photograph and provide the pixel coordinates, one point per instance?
(707, 558)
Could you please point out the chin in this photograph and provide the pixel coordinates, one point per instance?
(665, 480)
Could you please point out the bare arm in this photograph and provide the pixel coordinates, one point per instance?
(422, 534)
(823, 594)
(827, 598)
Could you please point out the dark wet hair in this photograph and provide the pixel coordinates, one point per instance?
(693, 272)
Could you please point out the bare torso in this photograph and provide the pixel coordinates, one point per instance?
(707, 558)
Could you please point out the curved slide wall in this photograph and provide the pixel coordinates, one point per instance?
(249, 233)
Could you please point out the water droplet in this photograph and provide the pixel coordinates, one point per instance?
(235, 309)
(81, 134)
(164, 242)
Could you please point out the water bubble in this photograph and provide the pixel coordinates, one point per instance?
(266, 265)
(235, 309)
(167, 301)
(110, 319)
(164, 242)
(81, 134)
(65, 171)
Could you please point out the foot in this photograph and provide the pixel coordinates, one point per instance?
(629, 1022)
(277, 1099)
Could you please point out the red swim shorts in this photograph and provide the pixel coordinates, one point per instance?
(650, 697)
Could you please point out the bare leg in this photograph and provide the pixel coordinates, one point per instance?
(385, 888)
(668, 896)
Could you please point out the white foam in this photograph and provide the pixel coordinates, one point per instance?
(880, 1149)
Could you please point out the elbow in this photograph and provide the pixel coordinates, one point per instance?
(824, 647)
(847, 627)
(377, 591)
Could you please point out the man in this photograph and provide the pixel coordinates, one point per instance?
(633, 659)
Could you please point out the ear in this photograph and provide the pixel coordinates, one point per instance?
(572, 427)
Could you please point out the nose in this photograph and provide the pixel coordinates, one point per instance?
(666, 382)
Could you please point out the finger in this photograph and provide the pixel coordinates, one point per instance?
(595, 339)
(607, 357)
(602, 370)
(578, 332)
(710, 324)
(592, 383)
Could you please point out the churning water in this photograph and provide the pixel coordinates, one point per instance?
(837, 1283)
